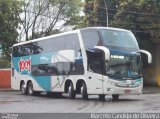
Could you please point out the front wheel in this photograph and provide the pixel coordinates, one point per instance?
(115, 97)
(84, 91)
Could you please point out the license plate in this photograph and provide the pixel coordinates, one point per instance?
(127, 91)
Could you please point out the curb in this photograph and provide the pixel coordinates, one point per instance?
(7, 90)
(151, 90)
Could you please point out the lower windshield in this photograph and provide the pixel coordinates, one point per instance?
(124, 67)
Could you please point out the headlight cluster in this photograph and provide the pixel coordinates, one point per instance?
(126, 83)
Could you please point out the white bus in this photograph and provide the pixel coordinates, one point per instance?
(89, 61)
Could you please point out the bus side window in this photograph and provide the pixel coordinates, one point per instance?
(95, 64)
(27, 49)
(72, 42)
(46, 45)
(91, 38)
(58, 43)
(20, 51)
(15, 51)
(36, 48)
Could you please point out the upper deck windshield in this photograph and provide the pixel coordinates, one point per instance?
(119, 39)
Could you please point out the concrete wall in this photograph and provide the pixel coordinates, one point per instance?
(158, 64)
(151, 73)
(5, 78)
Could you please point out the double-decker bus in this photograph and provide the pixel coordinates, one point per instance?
(89, 61)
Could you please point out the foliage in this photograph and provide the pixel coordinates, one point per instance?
(44, 17)
(4, 63)
(96, 12)
(142, 17)
(8, 24)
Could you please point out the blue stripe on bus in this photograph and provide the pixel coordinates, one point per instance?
(43, 81)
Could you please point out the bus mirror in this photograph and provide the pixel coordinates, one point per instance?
(148, 54)
(105, 50)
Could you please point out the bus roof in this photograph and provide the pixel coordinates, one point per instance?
(108, 28)
(69, 32)
(46, 37)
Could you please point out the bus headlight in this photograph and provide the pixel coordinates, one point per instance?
(112, 83)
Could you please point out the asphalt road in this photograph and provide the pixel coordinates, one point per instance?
(14, 105)
(15, 102)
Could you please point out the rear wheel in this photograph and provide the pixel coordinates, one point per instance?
(101, 97)
(30, 89)
(23, 89)
(84, 91)
(115, 97)
(71, 91)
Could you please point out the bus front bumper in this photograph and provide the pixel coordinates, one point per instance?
(123, 90)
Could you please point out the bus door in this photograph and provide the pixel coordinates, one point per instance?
(95, 72)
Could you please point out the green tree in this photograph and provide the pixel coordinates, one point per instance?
(8, 25)
(142, 17)
(96, 12)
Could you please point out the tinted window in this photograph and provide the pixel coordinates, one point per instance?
(22, 50)
(95, 64)
(90, 38)
(15, 51)
(72, 42)
(58, 43)
(46, 45)
(36, 48)
(66, 42)
(27, 49)
(44, 70)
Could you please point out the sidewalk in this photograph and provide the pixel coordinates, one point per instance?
(151, 90)
(7, 89)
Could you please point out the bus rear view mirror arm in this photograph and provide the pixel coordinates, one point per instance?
(105, 50)
(148, 54)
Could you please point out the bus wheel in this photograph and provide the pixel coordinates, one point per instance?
(115, 97)
(30, 89)
(84, 91)
(71, 91)
(23, 89)
(101, 97)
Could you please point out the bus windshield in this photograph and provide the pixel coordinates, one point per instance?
(124, 67)
(119, 39)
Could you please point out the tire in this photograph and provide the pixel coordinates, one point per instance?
(71, 91)
(115, 97)
(23, 89)
(101, 97)
(30, 89)
(84, 91)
